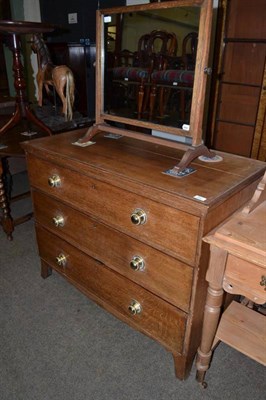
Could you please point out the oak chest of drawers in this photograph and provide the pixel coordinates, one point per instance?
(129, 236)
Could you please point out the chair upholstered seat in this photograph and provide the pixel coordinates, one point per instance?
(173, 76)
(130, 73)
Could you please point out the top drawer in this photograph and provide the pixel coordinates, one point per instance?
(170, 230)
(245, 278)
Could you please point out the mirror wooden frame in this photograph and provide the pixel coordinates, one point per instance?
(202, 71)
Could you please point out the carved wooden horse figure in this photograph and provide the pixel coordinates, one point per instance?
(61, 77)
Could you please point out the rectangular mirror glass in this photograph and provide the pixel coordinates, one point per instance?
(150, 59)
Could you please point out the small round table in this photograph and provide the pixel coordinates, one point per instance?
(22, 110)
(10, 143)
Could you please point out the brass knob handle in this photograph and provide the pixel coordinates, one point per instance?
(135, 307)
(61, 260)
(58, 221)
(54, 181)
(138, 217)
(137, 263)
(263, 281)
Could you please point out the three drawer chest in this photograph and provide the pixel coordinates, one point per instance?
(129, 236)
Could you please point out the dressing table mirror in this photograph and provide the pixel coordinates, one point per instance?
(151, 73)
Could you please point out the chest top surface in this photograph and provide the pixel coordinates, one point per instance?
(130, 164)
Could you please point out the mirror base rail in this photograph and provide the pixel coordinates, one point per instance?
(191, 152)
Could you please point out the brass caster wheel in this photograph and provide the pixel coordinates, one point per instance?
(204, 385)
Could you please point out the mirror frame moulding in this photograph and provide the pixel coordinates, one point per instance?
(195, 132)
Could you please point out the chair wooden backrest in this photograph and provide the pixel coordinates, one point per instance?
(189, 50)
(162, 46)
(123, 59)
(141, 56)
(152, 51)
(166, 42)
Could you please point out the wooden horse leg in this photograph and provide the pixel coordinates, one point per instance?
(40, 95)
(64, 84)
(48, 91)
(64, 101)
(40, 87)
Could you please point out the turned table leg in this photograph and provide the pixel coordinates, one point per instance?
(6, 220)
(212, 311)
(22, 111)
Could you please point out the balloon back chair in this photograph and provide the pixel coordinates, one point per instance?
(178, 74)
(137, 70)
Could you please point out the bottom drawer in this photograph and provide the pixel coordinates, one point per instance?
(150, 315)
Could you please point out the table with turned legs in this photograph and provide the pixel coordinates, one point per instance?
(237, 266)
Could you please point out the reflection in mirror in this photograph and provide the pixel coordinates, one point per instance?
(150, 58)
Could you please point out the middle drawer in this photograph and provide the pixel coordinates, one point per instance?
(161, 274)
